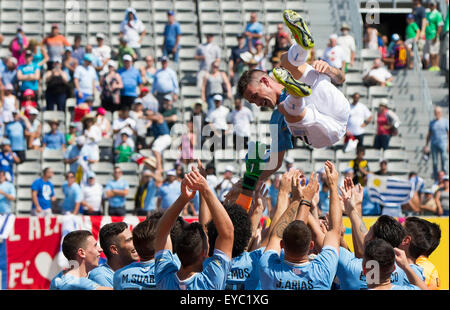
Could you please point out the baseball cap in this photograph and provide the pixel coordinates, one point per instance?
(33, 111)
(164, 58)
(144, 90)
(58, 59)
(101, 111)
(19, 27)
(445, 178)
(171, 13)
(100, 35)
(258, 42)
(89, 99)
(6, 141)
(345, 26)
(127, 57)
(347, 170)
(146, 172)
(384, 102)
(428, 191)
(72, 124)
(112, 63)
(395, 37)
(333, 36)
(28, 53)
(217, 97)
(410, 16)
(126, 131)
(171, 172)
(68, 48)
(55, 25)
(283, 35)
(91, 174)
(123, 39)
(28, 92)
(229, 168)
(88, 57)
(168, 97)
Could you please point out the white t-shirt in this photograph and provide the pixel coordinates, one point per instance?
(102, 53)
(93, 195)
(132, 33)
(334, 56)
(241, 121)
(218, 118)
(380, 74)
(348, 45)
(119, 124)
(211, 52)
(94, 132)
(358, 114)
(86, 77)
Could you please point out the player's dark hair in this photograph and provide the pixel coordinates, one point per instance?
(108, 234)
(143, 237)
(381, 252)
(435, 240)
(242, 230)
(190, 244)
(297, 238)
(176, 229)
(360, 149)
(411, 174)
(419, 231)
(245, 79)
(389, 229)
(73, 241)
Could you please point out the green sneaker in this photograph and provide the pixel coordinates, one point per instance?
(434, 69)
(298, 28)
(292, 86)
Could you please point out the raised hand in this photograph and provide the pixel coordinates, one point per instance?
(234, 192)
(331, 173)
(400, 258)
(201, 169)
(297, 181)
(286, 181)
(186, 193)
(195, 181)
(311, 189)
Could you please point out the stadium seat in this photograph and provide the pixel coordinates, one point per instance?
(370, 54)
(51, 115)
(378, 91)
(140, 5)
(128, 168)
(103, 179)
(230, 6)
(163, 6)
(29, 168)
(394, 155)
(103, 168)
(23, 207)
(341, 156)
(322, 155)
(24, 194)
(33, 155)
(25, 180)
(58, 167)
(52, 155)
(131, 179)
(300, 154)
(97, 5)
(119, 6)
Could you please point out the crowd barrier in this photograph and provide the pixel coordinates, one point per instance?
(30, 254)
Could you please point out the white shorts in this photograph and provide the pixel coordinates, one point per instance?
(327, 111)
(430, 48)
(44, 212)
(161, 143)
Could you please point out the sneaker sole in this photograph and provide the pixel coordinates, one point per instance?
(299, 29)
(292, 86)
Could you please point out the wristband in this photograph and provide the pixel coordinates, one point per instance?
(306, 203)
(244, 201)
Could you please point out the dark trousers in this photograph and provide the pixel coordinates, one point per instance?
(360, 139)
(381, 142)
(126, 101)
(58, 100)
(21, 155)
(118, 211)
(90, 213)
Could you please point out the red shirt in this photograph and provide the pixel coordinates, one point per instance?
(79, 113)
(382, 120)
(26, 105)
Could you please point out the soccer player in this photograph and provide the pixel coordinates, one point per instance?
(296, 271)
(382, 253)
(429, 270)
(116, 241)
(192, 244)
(307, 105)
(83, 253)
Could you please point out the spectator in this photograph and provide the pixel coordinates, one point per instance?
(27, 103)
(55, 44)
(334, 54)
(7, 160)
(438, 135)
(54, 140)
(145, 199)
(29, 75)
(371, 37)
(226, 183)
(111, 85)
(123, 121)
(383, 168)
(148, 71)
(213, 85)
(116, 191)
(72, 134)
(235, 62)
(433, 31)
(103, 123)
(412, 36)
(169, 112)
(360, 167)
(442, 197)
(131, 80)
(282, 41)
(85, 78)
(420, 18)
(383, 47)
(360, 117)
(377, 75)
(57, 88)
(78, 51)
(89, 155)
(188, 142)
(384, 127)
(124, 151)
(260, 54)
(102, 52)
(43, 194)
(124, 49)
(92, 196)
(241, 118)
(324, 198)
(15, 132)
(90, 129)
(18, 46)
(172, 36)
(347, 42)
(82, 110)
(398, 54)
(9, 104)
(148, 101)
(33, 134)
(7, 194)
(217, 119)
(69, 63)
(428, 206)
(165, 82)
(9, 74)
(161, 134)
(142, 124)
(253, 31)
(72, 195)
(96, 62)
(133, 30)
(169, 191)
(207, 53)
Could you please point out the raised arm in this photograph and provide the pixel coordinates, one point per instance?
(204, 216)
(333, 236)
(402, 262)
(225, 228)
(165, 224)
(337, 75)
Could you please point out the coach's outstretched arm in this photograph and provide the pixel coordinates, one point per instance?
(333, 236)
(225, 228)
(166, 222)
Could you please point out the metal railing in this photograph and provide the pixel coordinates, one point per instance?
(425, 94)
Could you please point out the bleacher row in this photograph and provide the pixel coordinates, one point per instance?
(223, 18)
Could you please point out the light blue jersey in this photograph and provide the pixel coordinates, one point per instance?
(244, 273)
(318, 274)
(351, 276)
(404, 287)
(213, 276)
(136, 276)
(65, 281)
(102, 275)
